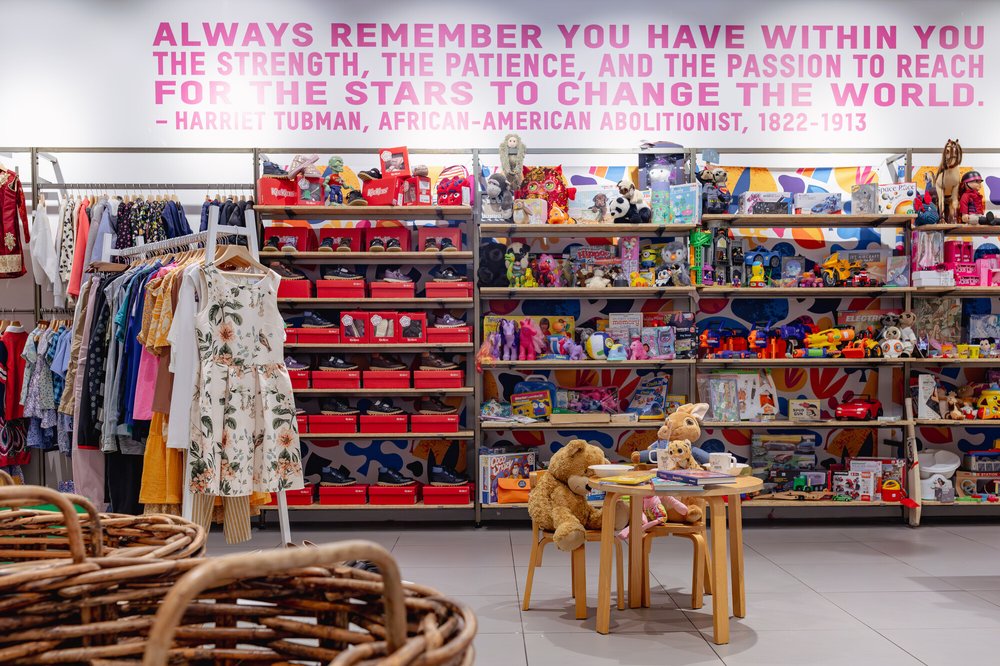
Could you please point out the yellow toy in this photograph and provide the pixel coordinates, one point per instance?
(636, 280)
(830, 339)
(558, 216)
(757, 278)
(529, 280)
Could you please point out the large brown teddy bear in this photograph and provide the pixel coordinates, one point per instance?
(558, 503)
(683, 424)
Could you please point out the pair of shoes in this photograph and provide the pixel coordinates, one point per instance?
(447, 321)
(396, 275)
(386, 362)
(443, 475)
(293, 363)
(447, 274)
(387, 245)
(445, 245)
(335, 406)
(355, 198)
(312, 320)
(331, 244)
(272, 169)
(274, 244)
(383, 407)
(336, 477)
(304, 164)
(336, 363)
(392, 477)
(338, 273)
(432, 405)
(370, 174)
(431, 361)
(286, 272)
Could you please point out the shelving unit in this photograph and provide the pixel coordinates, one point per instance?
(412, 258)
(583, 230)
(736, 221)
(316, 303)
(388, 346)
(395, 213)
(630, 293)
(461, 434)
(465, 390)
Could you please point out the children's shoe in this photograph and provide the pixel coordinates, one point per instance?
(355, 198)
(289, 247)
(431, 245)
(392, 477)
(435, 362)
(443, 475)
(286, 272)
(392, 245)
(448, 274)
(273, 244)
(312, 320)
(336, 477)
(383, 408)
(344, 245)
(304, 164)
(327, 244)
(339, 273)
(370, 174)
(432, 405)
(396, 275)
(386, 362)
(447, 245)
(336, 363)
(293, 363)
(376, 245)
(272, 169)
(447, 321)
(336, 407)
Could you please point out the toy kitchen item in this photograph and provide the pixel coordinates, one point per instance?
(722, 462)
(936, 469)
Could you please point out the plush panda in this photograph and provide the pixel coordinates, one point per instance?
(623, 211)
(627, 190)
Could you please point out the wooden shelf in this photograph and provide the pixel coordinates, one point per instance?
(960, 423)
(461, 434)
(370, 507)
(560, 364)
(375, 302)
(995, 505)
(465, 390)
(365, 212)
(957, 292)
(369, 257)
(801, 292)
(953, 361)
(799, 362)
(388, 346)
(584, 230)
(495, 293)
(807, 503)
(810, 221)
(736, 425)
(962, 229)
(647, 425)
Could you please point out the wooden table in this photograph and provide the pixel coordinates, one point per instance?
(715, 497)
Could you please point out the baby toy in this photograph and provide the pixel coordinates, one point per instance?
(597, 280)
(597, 344)
(508, 332)
(627, 189)
(636, 280)
(638, 350)
(558, 502)
(512, 151)
(499, 195)
(623, 212)
(679, 455)
(947, 179)
(674, 256)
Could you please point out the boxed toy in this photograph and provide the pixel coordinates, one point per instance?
(976, 483)
(534, 404)
(765, 203)
(649, 400)
(685, 203)
(414, 191)
(531, 211)
(864, 199)
(817, 203)
(591, 204)
(897, 198)
(804, 410)
(859, 486)
(395, 161)
(310, 191)
(496, 466)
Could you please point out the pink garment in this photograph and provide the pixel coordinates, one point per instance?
(145, 383)
(88, 464)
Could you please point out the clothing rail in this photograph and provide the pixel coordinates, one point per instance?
(170, 243)
(145, 186)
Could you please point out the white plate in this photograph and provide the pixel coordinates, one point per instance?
(610, 470)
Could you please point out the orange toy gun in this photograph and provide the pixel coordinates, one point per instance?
(830, 339)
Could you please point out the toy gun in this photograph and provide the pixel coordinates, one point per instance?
(829, 339)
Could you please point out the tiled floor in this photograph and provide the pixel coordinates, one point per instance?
(878, 594)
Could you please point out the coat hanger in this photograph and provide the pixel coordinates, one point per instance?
(238, 255)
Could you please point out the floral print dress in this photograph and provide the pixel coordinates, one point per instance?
(244, 434)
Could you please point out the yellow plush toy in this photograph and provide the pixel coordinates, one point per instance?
(558, 503)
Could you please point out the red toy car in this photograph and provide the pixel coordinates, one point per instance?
(860, 409)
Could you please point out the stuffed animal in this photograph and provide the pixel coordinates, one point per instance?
(508, 333)
(557, 215)
(664, 277)
(558, 502)
(512, 151)
(549, 274)
(637, 280)
(597, 280)
(907, 320)
(715, 197)
(679, 455)
(627, 189)
(675, 254)
(953, 402)
(576, 352)
(499, 195)
(637, 350)
(947, 179)
(492, 267)
(623, 212)
(654, 513)
(546, 183)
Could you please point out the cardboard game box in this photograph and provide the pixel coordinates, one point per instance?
(495, 466)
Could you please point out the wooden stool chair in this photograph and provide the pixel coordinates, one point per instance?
(701, 582)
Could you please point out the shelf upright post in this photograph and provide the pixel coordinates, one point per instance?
(477, 327)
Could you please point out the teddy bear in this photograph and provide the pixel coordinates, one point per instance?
(558, 502)
(622, 211)
(715, 197)
(626, 188)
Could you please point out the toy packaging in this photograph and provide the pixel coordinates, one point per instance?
(395, 161)
(804, 410)
(591, 204)
(649, 399)
(765, 203)
(817, 203)
(897, 271)
(792, 270)
(984, 326)
(496, 466)
(531, 211)
(533, 404)
(685, 203)
(897, 198)
(723, 397)
(864, 199)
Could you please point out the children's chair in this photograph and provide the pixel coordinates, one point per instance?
(700, 580)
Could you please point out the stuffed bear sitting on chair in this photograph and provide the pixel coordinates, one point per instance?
(558, 503)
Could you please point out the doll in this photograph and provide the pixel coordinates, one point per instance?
(947, 179)
(512, 160)
(971, 203)
(654, 513)
(334, 184)
(498, 194)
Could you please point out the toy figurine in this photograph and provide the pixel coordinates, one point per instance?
(675, 257)
(530, 342)
(636, 280)
(757, 278)
(623, 212)
(715, 197)
(947, 179)
(617, 277)
(664, 277)
(637, 350)
(971, 203)
(512, 151)
(508, 333)
(597, 280)
(517, 264)
(334, 184)
(616, 352)
(576, 352)
(953, 403)
(498, 194)
(924, 206)
(648, 258)
(548, 271)
(627, 190)
(529, 281)
(559, 216)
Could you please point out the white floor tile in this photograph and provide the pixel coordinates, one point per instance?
(450, 554)
(946, 646)
(495, 615)
(875, 577)
(500, 650)
(973, 583)
(842, 552)
(816, 648)
(798, 611)
(919, 610)
(475, 581)
(585, 649)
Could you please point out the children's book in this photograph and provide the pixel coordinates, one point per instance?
(628, 479)
(696, 477)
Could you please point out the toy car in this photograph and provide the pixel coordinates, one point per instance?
(836, 271)
(831, 204)
(861, 279)
(770, 258)
(861, 409)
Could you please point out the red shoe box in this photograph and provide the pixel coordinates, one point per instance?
(295, 289)
(393, 290)
(395, 161)
(434, 423)
(389, 495)
(386, 379)
(433, 379)
(302, 421)
(376, 423)
(352, 234)
(376, 324)
(292, 335)
(300, 378)
(406, 331)
(446, 494)
(448, 289)
(340, 288)
(301, 237)
(336, 379)
(303, 497)
(456, 334)
(320, 424)
(414, 191)
(452, 233)
(402, 234)
(354, 327)
(343, 495)
(383, 191)
(273, 191)
(317, 336)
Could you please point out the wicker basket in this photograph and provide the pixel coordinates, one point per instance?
(35, 534)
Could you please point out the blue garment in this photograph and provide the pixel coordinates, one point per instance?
(133, 348)
(204, 215)
(175, 220)
(104, 230)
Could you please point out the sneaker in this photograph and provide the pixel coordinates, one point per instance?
(371, 174)
(336, 407)
(447, 245)
(443, 475)
(431, 245)
(448, 274)
(355, 198)
(312, 320)
(447, 321)
(376, 245)
(386, 362)
(328, 476)
(293, 363)
(327, 244)
(435, 362)
(431, 405)
(344, 245)
(304, 164)
(392, 245)
(396, 275)
(420, 170)
(273, 244)
(272, 169)
(392, 477)
(289, 247)
(286, 272)
(339, 273)
(382, 407)
(336, 363)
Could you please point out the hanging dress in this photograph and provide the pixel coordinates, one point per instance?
(12, 211)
